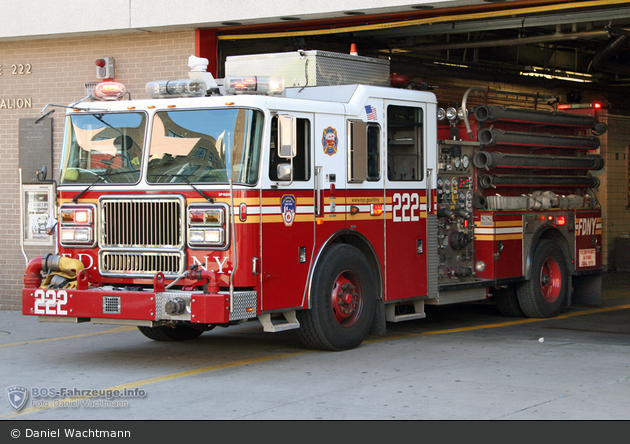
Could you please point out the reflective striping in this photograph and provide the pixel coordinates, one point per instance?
(499, 231)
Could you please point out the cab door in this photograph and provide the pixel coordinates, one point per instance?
(287, 211)
(410, 224)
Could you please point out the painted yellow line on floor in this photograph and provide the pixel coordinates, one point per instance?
(148, 381)
(85, 335)
(211, 368)
(505, 324)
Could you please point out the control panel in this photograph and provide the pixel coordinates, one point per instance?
(455, 195)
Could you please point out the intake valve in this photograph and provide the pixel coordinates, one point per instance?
(175, 306)
(453, 214)
(459, 240)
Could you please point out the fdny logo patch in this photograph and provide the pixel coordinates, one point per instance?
(288, 209)
(330, 141)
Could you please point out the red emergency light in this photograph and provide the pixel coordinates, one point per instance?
(592, 105)
(109, 91)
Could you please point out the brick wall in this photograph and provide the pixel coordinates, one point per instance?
(59, 69)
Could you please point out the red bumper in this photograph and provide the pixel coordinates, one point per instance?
(122, 305)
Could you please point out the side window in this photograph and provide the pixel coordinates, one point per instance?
(302, 159)
(404, 143)
(373, 151)
(364, 151)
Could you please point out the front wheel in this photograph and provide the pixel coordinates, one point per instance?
(544, 295)
(343, 297)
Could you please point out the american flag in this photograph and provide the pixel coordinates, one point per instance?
(371, 112)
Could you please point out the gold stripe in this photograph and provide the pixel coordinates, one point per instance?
(492, 237)
(250, 201)
(503, 224)
(275, 218)
(83, 201)
(276, 201)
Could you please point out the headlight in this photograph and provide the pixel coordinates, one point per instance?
(77, 225)
(207, 226)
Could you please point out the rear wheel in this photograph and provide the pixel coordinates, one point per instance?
(168, 333)
(544, 295)
(343, 297)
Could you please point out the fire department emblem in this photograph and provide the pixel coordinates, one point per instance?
(330, 141)
(17, 396)
(288, 209)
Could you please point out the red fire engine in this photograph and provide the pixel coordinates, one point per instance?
(305, 191)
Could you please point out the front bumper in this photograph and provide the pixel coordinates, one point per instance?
(137, 307)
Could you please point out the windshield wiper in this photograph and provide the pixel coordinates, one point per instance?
(99, 178)
(185, 179)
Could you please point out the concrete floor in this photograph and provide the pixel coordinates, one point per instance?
(463, 362)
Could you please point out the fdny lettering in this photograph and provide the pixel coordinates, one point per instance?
(220, 263)
(87, 260)
(586, 226)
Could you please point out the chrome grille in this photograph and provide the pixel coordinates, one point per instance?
(141, 222)
(141, 263)
(141, 235)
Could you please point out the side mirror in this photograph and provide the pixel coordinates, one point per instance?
(287, 136)
(42, 173)
(284, 171)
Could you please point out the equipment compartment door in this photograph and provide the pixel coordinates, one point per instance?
(410, 160)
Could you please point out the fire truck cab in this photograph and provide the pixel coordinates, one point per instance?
(304, 191)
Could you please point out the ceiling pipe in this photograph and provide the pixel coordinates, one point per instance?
(605, 60)
(556, 37)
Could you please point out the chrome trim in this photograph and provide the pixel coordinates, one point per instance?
(141, 235)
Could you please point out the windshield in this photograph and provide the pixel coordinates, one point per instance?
(106, 146)
(205, 146)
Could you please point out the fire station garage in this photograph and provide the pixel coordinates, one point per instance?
(326, 170)
(541, 54)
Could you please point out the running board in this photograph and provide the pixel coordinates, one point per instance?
(290, 324)
(418, 308)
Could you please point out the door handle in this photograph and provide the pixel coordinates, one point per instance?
(429, 190)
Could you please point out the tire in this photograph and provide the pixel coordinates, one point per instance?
(544, 295)
(507, 302)
(343, 298)
(167, 333)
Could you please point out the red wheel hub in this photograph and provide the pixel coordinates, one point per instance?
(346, 299)
(550, 279)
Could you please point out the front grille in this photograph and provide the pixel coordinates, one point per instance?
(141, 236)
(138, 222)
(141, 263)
